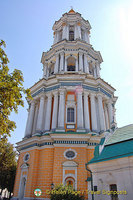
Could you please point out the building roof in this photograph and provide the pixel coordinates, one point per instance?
(119, 145)
(121, 134)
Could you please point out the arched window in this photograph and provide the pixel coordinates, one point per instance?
(70, 115)
(91, 71)
(71, 33)
(71, 64)
(51, 69)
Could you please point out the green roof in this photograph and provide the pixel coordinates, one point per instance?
(114, 151)
(121, 134)
(119, 145)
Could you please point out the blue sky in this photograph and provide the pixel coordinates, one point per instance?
(26, 27)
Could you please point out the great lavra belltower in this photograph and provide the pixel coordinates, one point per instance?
(71, 110)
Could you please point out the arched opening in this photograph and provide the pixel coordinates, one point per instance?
(71, 64)
(70, 182)
(91, 71)
(71, 33)
(51, 69)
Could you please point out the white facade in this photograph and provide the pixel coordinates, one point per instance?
(117, 172)
(71, 65)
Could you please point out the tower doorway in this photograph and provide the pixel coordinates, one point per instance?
(22, 190)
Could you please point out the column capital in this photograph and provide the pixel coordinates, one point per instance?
(55, 93)
(86, 93)
(100, 95)
(33, 102)
(49, 94)
(62, 53)
(80, 53)
(92, 94)
(109, 101)
(42, 96)
(62, 91)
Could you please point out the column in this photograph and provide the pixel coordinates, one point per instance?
(67, 32)
(61, 110)
(47, 72)
(94, 70)
(93, 113)
(64, 32)
(98, 69)
(55, 37)
(77, 65)
(55, 110)
(106, 117)
(86, 63)
(44, 70)
(30, 120)
(48, 112)
(101, 113)
(110, 111)
(56, 64)
(40, 114)
(79, 110)
(89, 62)
(75, 32)
(65, 64)
(87, 36)
(62, 62)
(86, 111)
(35, 120)
(78, 31)
(80, 61)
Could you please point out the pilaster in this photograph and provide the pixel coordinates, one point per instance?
(93, 112)
(61, 113)
(40, 114)
(30, 120)
(56, 64)
(55, 110)
(48, 112)
(80, 124)
(86, 111)
(80, 61)
(101, 113)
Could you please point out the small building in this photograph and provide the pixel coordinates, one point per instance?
(112, 166)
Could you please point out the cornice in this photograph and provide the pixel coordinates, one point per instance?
(71, 80)
(73, 47)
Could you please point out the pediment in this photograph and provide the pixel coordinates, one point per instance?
(70, 164)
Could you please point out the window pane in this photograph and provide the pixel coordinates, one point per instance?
(71, 35)
(70, 115)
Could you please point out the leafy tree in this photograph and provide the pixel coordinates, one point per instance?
(7, 165)
(61, 192)
(11, 93)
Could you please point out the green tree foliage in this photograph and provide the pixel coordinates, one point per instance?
(11, 93)
(61, 192)
(7, 165)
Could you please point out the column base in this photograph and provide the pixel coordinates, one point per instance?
(81, 130)
(59, 130)
(95, 131)
(37, 134)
